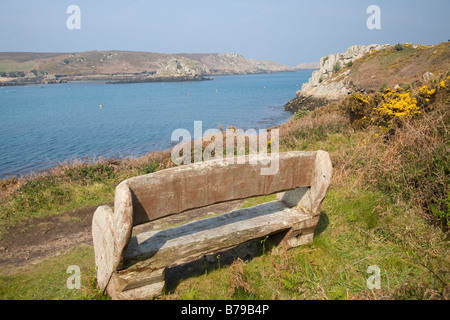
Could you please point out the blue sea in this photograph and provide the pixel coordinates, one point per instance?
(41, 125)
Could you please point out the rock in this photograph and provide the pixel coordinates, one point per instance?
(427, 76)
(49, 78)
(305, 102)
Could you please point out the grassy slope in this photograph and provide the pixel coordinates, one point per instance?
(404, 66)
(376, 213)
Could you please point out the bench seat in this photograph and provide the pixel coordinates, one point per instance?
(185, 243)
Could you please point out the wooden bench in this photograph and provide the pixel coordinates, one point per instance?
(132, 267)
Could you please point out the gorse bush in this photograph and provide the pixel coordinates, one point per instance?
(399, 47)
(395, 105)
(300, 113)
(407, 154)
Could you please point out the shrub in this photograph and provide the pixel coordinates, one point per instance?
(399, 47)
(337, 67)
(415, 167)
(21, 74)
(92, 173)
(358, 109)
(3, 74)
(395, 105)
(149, 167)
(12, 74)
(350, 64)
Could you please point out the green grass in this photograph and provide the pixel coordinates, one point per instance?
(7, 66)
(47, 280)
(335, 265)
(394, 56)
(47, 196)
(76, 187)
(251, 202)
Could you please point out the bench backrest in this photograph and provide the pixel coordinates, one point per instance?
(146, 198)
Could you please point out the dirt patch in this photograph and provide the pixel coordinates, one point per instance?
(39, 238)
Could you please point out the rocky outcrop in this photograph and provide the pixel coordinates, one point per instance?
(329, 82)
(319, 84)
(31, 79)
(180, 67)
(306, 103)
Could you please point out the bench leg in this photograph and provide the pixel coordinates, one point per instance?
(136, 285)
(301, 233)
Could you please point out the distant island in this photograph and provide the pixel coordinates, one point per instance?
(309, 66)
(21, 68)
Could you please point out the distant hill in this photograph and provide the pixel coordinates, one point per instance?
(126, 66)
(308, 66)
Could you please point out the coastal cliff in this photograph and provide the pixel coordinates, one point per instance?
(126, 67)
(367, 69)
(328, 82)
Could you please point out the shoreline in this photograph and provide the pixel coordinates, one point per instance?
(108, 80)
(124, 78)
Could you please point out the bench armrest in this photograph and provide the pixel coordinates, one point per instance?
(321, 181)
(104, 245)
(111, 233)
(310, 198)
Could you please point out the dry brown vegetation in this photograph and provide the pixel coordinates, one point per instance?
(404, 67)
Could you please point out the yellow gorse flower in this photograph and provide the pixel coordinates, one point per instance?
(397, 104)
(360, 98)
(427, 92)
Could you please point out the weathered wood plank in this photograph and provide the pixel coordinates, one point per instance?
(193, 240)
(205, 183)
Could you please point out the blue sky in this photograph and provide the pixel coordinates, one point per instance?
(288, 32)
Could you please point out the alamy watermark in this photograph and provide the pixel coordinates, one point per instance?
(257, 146)
(374, 281)
(74, 281)
(374, 20)
(73, 22)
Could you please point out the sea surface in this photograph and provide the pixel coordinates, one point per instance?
(42, 125)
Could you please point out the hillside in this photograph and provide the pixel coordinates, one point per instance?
(125, 66)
